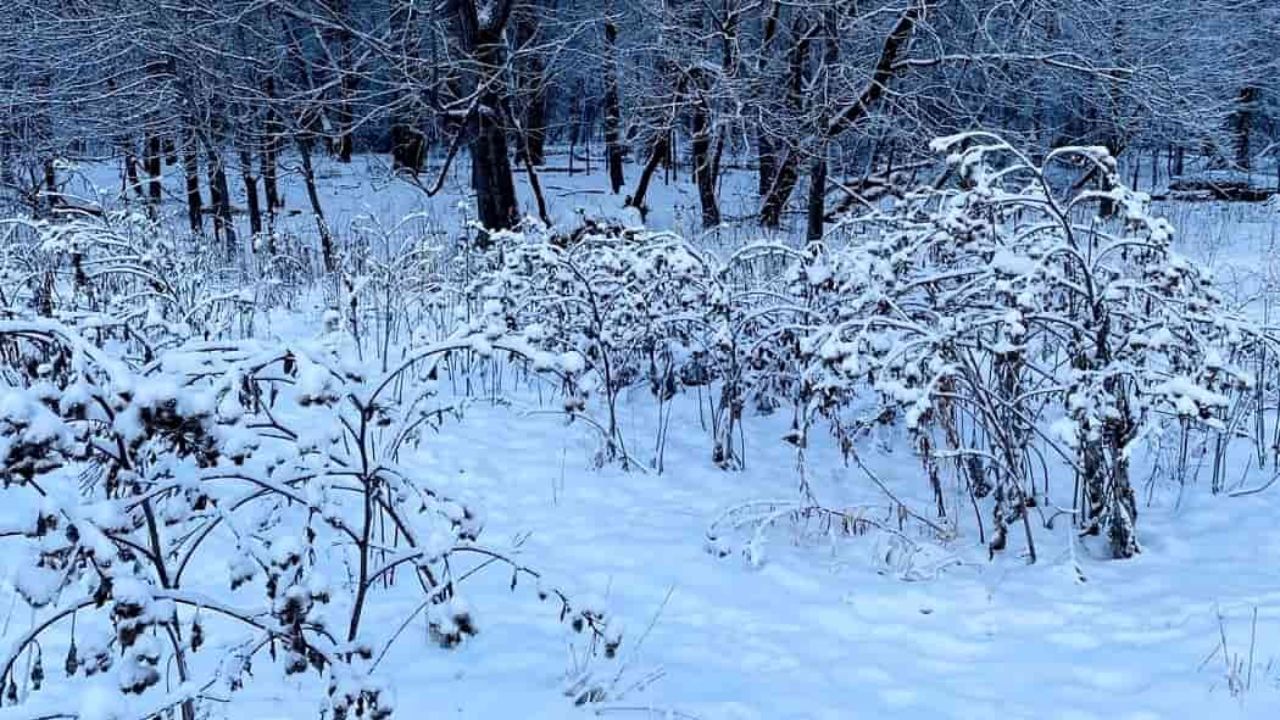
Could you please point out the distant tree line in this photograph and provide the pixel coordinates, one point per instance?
(813, 94)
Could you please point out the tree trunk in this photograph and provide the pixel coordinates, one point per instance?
(408, 143)
(575, 122)
(817, 210)
(1124, 510)
(327, 250)
(786, 175)
(531, 85)
(251, 192)
(1243, 122)
(52, 197)
(343, 144)
(408, 146)
(784, 182)
(346, 116)
(659, 150)
(817, 199)
(766, 160)
(273, 129)
(703, 173)
(131, 171)
(270, 186)
(152, 160)
(536, 125)
(220, 196)
(491, 171)
(612, 109)
(8, 174)
(191, 168)
(491, 178)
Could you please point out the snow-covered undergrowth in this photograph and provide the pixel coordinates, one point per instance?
(1013, 336)
(177, 477)
(142, 461)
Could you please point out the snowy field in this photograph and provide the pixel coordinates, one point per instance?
(798, 620)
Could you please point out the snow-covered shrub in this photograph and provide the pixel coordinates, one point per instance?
(243, 497)
(134, 276)
(396, 287)
(617, 308)
(623, 308)
(1013, 334)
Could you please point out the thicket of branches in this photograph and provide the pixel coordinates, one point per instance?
(838, 96)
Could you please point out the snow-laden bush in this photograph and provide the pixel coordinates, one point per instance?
(646, 309)
(1017, 337)
(241, 495)
(132, 274)
(620, 307)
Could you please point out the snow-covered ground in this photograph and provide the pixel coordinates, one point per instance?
(823, 627)
(805, 623)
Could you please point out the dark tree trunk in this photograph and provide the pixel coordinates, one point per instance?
(346, 116)
(1243, 122)
(251, 192)
(272, 142)
(730, 65)
(766, 160)
(671, 159)
(536, 186)
(220, 196)
(7, 173)
(536, 125)
(152, 160)
(660, 149)
(491, 176)
(270, 186)
(191, 168)
(327, 250)
(343, 144)
(817, 209)
(52, 196)
(408, 146)
(817, 199)
(408, 143)
(703, 173)
(531, 85)
(784, 182)
(612, 109)
(491, 172)
(131, 171)
(575, 122)
(785, 175)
